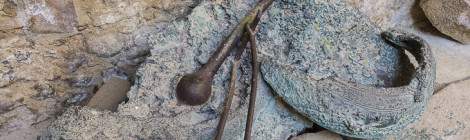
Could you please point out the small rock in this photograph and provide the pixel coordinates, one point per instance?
(451, 17)
(106, 44)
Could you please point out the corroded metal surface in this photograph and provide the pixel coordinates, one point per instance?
(330, 63)
(354, 109)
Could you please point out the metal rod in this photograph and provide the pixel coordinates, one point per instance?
(228, 99)
(254, 84)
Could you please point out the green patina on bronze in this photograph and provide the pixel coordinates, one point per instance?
(363, 86)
